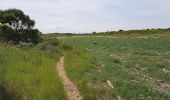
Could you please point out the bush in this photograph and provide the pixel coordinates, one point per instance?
(94, 33)
(52, 45)
(67, 47)
(8, 93)
(54, 42)
(121, 30)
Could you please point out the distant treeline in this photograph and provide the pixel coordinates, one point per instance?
(142, 31)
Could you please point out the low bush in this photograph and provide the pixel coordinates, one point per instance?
(8, 93)
(67, 47)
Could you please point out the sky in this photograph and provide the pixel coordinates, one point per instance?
(84, 16)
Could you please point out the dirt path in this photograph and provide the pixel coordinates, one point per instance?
(70, 88)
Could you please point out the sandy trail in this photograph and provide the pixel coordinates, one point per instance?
(70, 88)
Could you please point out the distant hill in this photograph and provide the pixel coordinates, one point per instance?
(158, 32)
(144, 31)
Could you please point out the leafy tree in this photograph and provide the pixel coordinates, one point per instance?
(32, 36)
(8, 33)
(16, 19)
(17, 27)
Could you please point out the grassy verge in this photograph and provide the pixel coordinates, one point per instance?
(79, 66)
(29, 74)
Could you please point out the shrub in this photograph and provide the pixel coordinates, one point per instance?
(8, 93)
(52, 45)
(67, 47)
(54, 42)
(94, 33)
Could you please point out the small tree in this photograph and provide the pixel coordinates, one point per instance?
(32, 36)
(16, 26)
(94, 32)
(7, 34)
(16, 19)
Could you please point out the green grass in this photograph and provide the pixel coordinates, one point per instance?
(133, 63)
(29, 74)
(145, 33)
(79, 66)
(124, 62)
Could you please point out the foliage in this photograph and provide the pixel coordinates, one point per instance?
(144, 32)
(29, 74)
(8, 92)
(16, 19)
(67, 47)
(80, 67)
(16, 26)
(133, 65)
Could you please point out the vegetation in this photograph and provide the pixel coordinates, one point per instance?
(145, 32)
(28, 73)
(137, 67)
(80, 67)
(132, 65)
(17, 27)
(102, 67)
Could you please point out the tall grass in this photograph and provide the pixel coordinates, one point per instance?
(29, 74)
(79, 66)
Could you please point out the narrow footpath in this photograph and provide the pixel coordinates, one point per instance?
(70, 88)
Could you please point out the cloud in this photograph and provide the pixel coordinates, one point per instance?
(93, 15)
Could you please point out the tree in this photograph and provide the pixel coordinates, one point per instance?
(32, 36)
(94, 32)
(7, 33)
(16, 19)
(17, 27)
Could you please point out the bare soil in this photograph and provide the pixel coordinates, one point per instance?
(69, 86)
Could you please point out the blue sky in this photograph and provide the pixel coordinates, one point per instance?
(93, 15)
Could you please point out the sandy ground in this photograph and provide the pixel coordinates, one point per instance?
(70, 88)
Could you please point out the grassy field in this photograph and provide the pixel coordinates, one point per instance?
(132, 68)
(28, 73)
(153, 33)
(102, 66)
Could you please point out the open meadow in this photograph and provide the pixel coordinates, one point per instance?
(132, 68)
(102, 67)
(84, 50)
